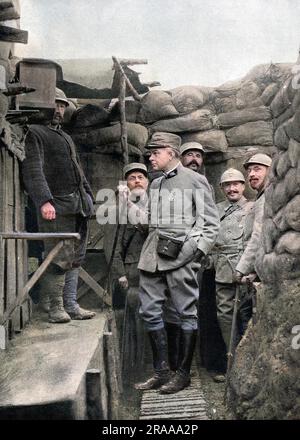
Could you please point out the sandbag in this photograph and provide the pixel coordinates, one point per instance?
(281, 101)
(289, 242)
(229, 88)
(156, 105)
(292, 213)
(269, 93)
(90, 115)
(239, 117)
(132, 109)
(252, 133)
(280, 220)
(137, 135)
(200, 120)
(287, 266)
(283, 164)
(248, 95)
(281, 139)
(3, 105)
(294, 153)
(187, 99)
(285, 116)
(115, 148)
(292, 126)
(270, 234)
(285, 189)
(263, 74)
(211, 140)
(226, 104)
(69, 112)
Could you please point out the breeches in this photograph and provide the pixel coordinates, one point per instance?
(170, 296)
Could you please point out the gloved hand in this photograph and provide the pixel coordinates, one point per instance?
(123, 282)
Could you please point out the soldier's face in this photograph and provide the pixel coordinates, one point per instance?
(257, 176)
(58, 116)
(233, 190)
(137, 182)
(192, 159)
(160, 158)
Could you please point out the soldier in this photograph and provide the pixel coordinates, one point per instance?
(257, 168)
(226, 253)
(177, 241)
(130, 239)
(192, 156)
(56, 184)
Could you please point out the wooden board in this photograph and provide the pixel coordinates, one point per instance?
(13, 35)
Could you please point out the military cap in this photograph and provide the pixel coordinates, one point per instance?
(161, 139)
(134, 166)
(232, 175)
(191, 146)
(260, 159)
(60, 96)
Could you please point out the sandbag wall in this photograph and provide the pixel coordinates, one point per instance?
(264, 382)
(232, 121)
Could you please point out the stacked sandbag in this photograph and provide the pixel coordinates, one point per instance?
(107, 139)
(280, 255)
(188, 111)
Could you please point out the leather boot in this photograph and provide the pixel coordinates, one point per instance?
(52, 284)
(182, 377)
(173, 335)
(158, 340)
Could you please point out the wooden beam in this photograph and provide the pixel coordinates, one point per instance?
(12, 35)
(9, 14)
(95, 287)
(38, 235)
(134, 93)
(132, 61)
(52, 254)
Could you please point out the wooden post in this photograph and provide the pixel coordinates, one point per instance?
(134, 93)
(124, 142)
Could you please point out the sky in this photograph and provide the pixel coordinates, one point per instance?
(196, 42)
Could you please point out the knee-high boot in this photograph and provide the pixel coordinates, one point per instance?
(182, 377)
(158, 340)
(173, 335)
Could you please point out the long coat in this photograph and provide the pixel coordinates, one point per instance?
(231, 241)
(181, 207)
(253, 227)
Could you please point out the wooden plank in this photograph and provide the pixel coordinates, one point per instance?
(13, 35)
(18, 213)
(93, 395)
(3, 183)
(95, 287)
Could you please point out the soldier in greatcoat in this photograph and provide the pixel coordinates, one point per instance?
(257, 168)
(183, 226)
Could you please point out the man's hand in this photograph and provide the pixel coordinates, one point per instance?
(198, 256)
(249, 279)
(237, 278)
(48, 211)
(123, 282)
(124, 192)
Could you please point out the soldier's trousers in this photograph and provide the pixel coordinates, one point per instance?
(73, 252)
(225, 294)
(171, 296)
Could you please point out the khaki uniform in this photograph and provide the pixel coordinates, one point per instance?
(227, 251)
(253, 227)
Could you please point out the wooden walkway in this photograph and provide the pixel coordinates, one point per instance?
(185, 405)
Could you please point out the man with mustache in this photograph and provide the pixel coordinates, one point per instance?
(226, 253)
(192, 156)
(55, 182)
(183, 227)
(257, 167)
